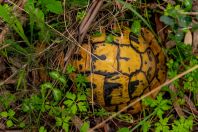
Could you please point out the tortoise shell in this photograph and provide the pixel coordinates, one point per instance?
(122, 70)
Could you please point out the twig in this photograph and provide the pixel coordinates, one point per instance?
(175, 104)
(191, 105)
(144, 96)
(190, 13)
(195, 43)
(4, 46)
(3, 33)
(88, 20)
(77, 122)
(10, 77)
(93, 5)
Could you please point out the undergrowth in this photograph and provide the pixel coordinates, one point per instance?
(42, 97)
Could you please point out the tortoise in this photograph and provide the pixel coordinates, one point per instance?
(123, 69)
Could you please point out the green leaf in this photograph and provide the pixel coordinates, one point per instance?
(55, 7)
(84, 127)
(57, 94)
(188, 4)
(66, 127)
(184, 21)
(11, 113)
(6, 99)
(13, 22)
(63, 80)
(145, 126)
(80, 15)
(133, 10)
(160, 105)
(162, 125)
(54, 75)
(44, 88)
(183, 125)
(4, 114)
(124, 129)
(5, 13)
(167, 20)
(194, 27)
(21, 78)
(109, 38)
(67, 119)
(68, 102)
(70, 69)
(77, 3)
(82, 106)
(42, 129)
(71, 96)
(17, 47)
(81, 97)
(9, 123)
(179, 36)
(74, 109)
(136, 27)
(58, 121)
(22, 125)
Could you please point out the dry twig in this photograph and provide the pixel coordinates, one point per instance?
(175, 104)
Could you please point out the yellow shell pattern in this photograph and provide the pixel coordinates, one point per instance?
(122, 70)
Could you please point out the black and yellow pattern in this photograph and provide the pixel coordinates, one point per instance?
(123, 69)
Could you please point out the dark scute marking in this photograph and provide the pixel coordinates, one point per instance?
(142, 34)
(132, 87)
(149, 53)
(148, 75)
(117, 34)
(95, 47)
(77, 57)
(115, 78)
(157, 74)
(96, 43)
(118, 57)
(157, 58)
(125, 58)
(106, 74)
(129, 69)
(133, 37)
(145, 62)
(97, 57)
(102, 57)
(150, 42)
(91, 85)
(80, 67)
(108, 88)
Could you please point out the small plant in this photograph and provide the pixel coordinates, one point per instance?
(182, 125)
(84, 127)
(80, 15)
(54, 6)
(42, 129)
(7, 99)
(160, 105)
(7, 16)
(63, 122)
(162, 125)
(55, 99)
(9, 117)
(76, 102)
